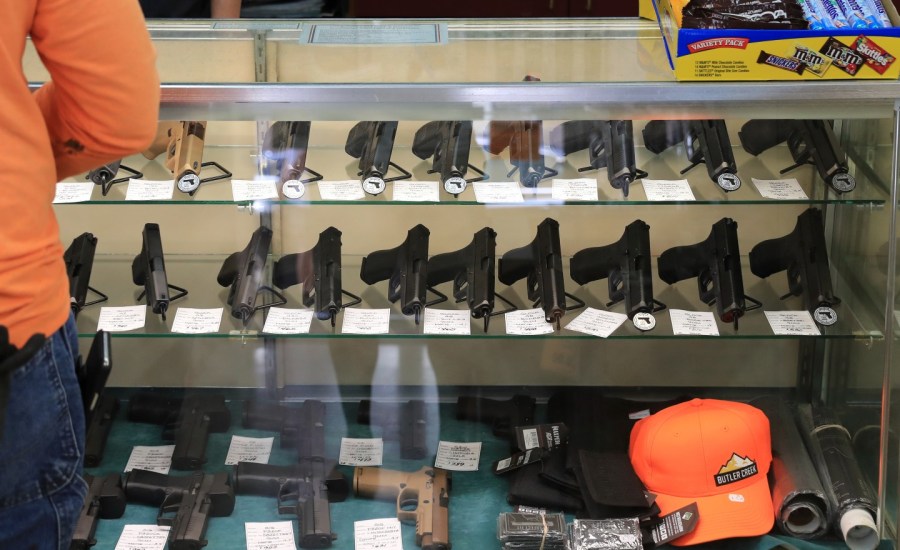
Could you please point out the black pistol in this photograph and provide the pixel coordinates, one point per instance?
(610, 145)
(295, 424)
(372, 142)
(149, 270)
(187, 421)
(186, 503)
(243, 272)
(319, 271)
(716, 263)
(105, 176)
(524, 140)
(285, 146)
(625, 264)
(448, 143)
(404, 422)
(705, 141)
(99, 410)
(105, 499)
(802, 253)
(503, 415)
(809, 141)
(79, 259)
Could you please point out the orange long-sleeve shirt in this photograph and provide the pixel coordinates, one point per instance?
(102, 103)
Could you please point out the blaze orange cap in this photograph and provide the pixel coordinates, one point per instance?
(715, 453)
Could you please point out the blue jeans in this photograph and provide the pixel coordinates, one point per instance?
(42, 448)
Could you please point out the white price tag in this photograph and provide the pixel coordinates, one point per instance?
(68, 192)
(273, 535)
(784, 190)
(189, 320)
(458, 457)
(281, 320)
(416, 191)
(366, 321)
(581, 189)
(143, 537)
(361, 452)
(249, 449)
(668, 190)
(792, 323)
(597, 322)
(377, 534)
(252, 190)
(498, 192)
(693, 323)
(447, 321)
(122, 318)
(155, 459)
(527, 322)
(346, 190)
(149, 190)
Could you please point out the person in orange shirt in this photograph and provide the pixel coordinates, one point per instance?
(102, 103)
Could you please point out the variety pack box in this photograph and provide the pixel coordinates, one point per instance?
(751, 54)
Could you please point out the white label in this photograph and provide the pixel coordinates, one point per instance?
(273, 535)
(249, 449)
(377, 534)
(530, 439)
(527, 322)
(68, 192)
(281, 320)
(149, 190)
(366, 321)
(155, 459)
(637, 415)
(416, 191)
(251, 190)
(361, 452)
(735, 497)
(447, 321)
(784, 190)
(497, 191)
(792, 323)
(597, 322)
(375, 32)
(143, 537)
(581, 189)
(693, 323)
(668, 190)
(345, 190)
(458, 457)
(121, 318)
(189, 320)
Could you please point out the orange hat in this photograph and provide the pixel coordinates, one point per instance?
(715, 453)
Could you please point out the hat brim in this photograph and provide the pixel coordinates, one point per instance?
(744, 512)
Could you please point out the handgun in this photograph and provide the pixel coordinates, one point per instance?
(405, 268)
(79, 259)
(803, 255)
(105, 499)
(187, 421)
(186, 503)
(297, 425)
(504, 416)
(610, 144)
(183, 143)
(402, 422)
(99, 409)
(540, 262)
(428, 488)
(148, 269)
(243, 273)
(716, 263)
(809, 141)
(372, 142)
(105, 176)
(285, 145)
(448, 142)
(625, 264)
(319, 270)
(524, 140)
(705, 141)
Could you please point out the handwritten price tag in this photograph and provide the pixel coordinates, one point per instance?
(155, 459)
(121, 319)
(366, 321)
(69, 192)
(143, 537)
(447, 321)
(361, 452)
(190, 320)
(377, 534)
(249, 449)
(459, 457)
(527, 322)
(274, 535)
(693, 323)
(581, 189)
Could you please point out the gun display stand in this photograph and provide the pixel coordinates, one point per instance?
(105, 186)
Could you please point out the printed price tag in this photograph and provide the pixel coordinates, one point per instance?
(668, 190)
(143, 537)
(361, 452)
(447, 321)
(155, 459)
(377, 534)
(149, 190)
(366, 321)
(249, 449)
(792, 323)
(527, 322)
(189, 320)
(581, 189)
(498, 192)
(784, 190)
(280, 320)
(273, 535)
(693, 323)
(345, 190)
(458, 457)
(416, 191)
(597, 322)
(68, 192)
(252, 190)
(122, 318)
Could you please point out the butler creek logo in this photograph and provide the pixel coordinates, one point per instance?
(736, 469)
